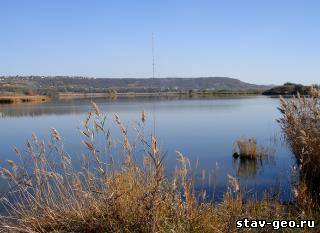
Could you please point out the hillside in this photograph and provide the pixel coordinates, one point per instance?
(45, 85)
(288, 89)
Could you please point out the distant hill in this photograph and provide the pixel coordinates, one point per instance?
(40, 84)
(288, 89)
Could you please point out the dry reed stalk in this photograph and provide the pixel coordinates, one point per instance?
(300, 123)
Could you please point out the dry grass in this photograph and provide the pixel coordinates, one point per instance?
(103, 196)
(248, 148)
(22, 99)
(301, 125)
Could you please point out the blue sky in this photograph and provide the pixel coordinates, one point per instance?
(262, 42)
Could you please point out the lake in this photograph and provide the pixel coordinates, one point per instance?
(203, 129)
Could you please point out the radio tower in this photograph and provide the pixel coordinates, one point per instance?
(152, 55)
(154, 114)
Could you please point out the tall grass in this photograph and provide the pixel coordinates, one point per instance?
(48, 193)
(22, 99)
(247, 148)
(301, 125)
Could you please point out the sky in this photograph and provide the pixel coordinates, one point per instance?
(263, 42)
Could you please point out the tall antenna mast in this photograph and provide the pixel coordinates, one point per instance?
(154, 115)
(152, 55)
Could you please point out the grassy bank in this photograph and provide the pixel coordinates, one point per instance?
(14, 99)
(189, 94)
(48, 193)
(115, 95)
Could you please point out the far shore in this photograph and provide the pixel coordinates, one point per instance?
(12, 98)
(78, 95)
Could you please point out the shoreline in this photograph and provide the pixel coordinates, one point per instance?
(17, 99)
(75, 95)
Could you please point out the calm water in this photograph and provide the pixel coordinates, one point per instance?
(202, 129)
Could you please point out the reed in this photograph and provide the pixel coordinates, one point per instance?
(247, 148)
(49, 193)
(22, 99)
(300, 123)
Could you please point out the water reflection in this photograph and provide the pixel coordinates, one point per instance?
(250, 167)
(33, 111)
(78, 106)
